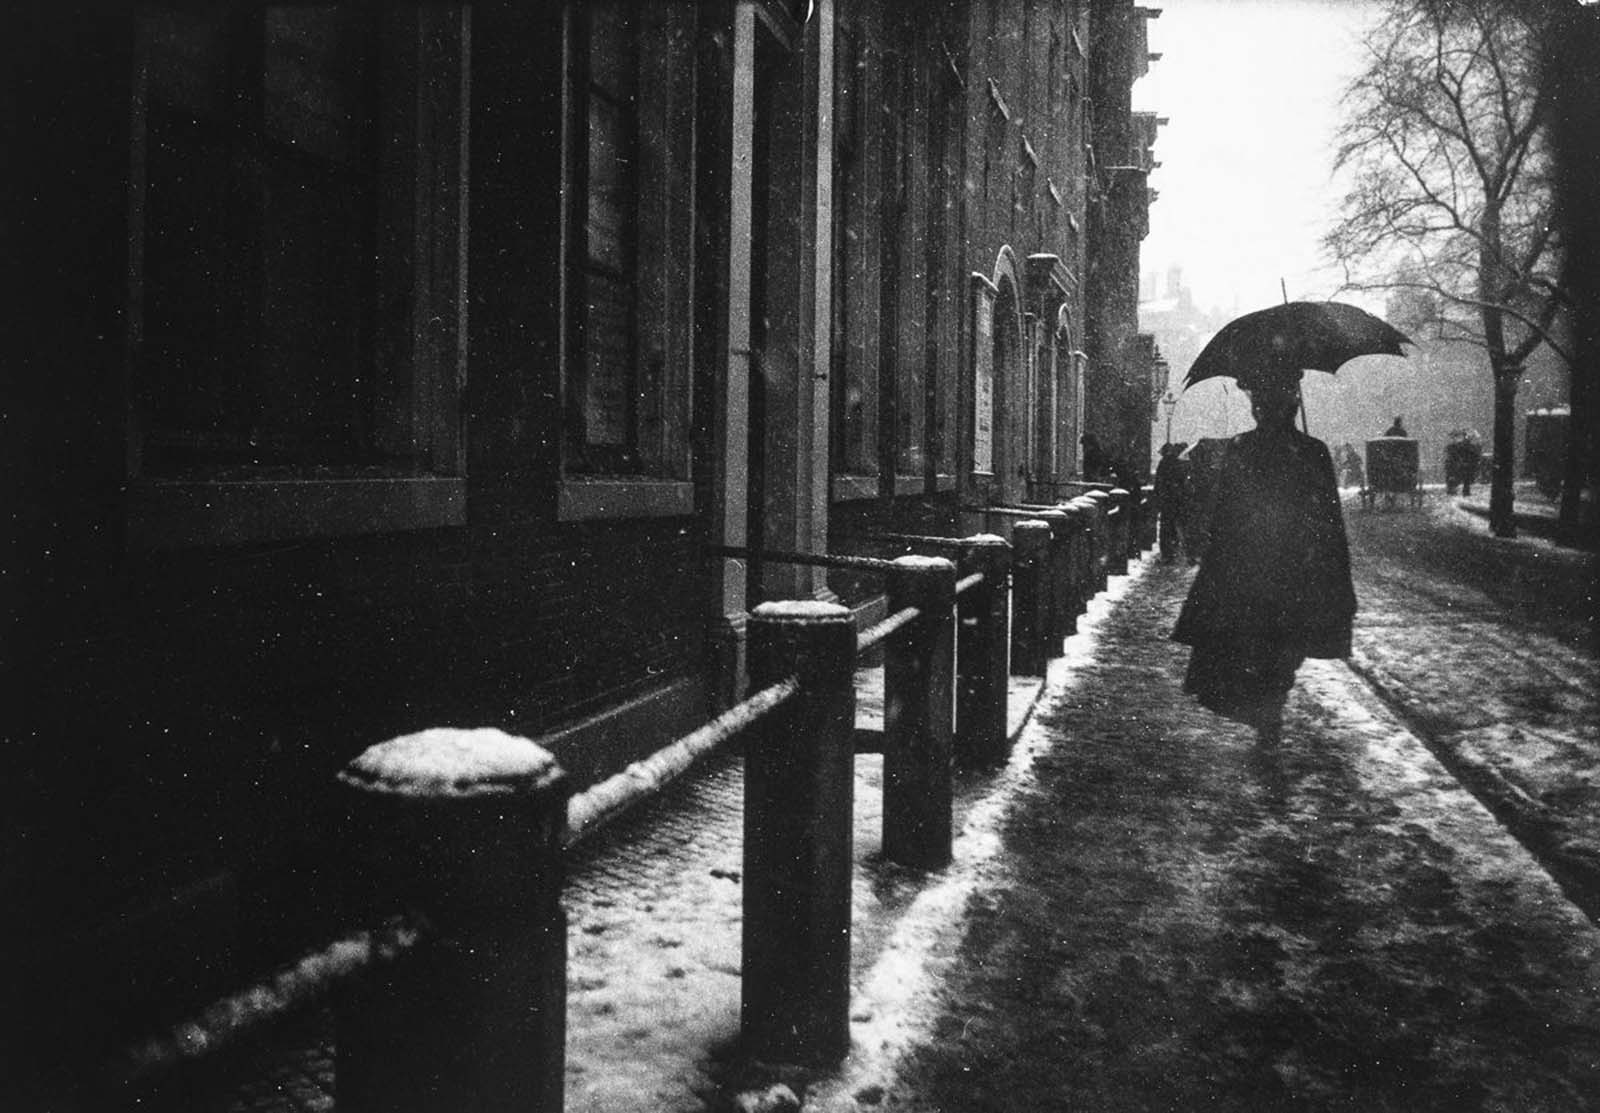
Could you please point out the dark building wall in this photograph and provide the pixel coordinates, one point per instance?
(1118, 388)
(187, 701)
(1000, 87)
(195, 671)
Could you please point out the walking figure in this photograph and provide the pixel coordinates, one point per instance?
(1172, 501)
(1274, 583)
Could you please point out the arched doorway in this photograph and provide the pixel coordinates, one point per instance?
(1069, 395)
(1011, 403)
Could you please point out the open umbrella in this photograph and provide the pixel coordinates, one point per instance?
(1293, 337)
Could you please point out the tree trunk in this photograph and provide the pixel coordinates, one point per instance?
(1570, 522)
(1502, 514)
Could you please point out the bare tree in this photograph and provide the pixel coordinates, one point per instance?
(1451, 191)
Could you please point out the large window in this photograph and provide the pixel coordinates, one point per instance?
(629, 280)
(602, 403)
(296, 281)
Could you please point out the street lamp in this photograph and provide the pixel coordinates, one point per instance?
(1171, 402)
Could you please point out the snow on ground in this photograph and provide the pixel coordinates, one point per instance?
(653, 973)
(896, 1000)
(654, 976)
(1485, 645)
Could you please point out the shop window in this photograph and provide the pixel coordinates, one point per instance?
(295, 299)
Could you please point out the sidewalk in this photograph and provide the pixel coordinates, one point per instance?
(1165, 916)
(1535, 514)
(654, 907)
(1145, 911)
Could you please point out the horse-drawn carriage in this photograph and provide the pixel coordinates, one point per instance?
(1392, 473)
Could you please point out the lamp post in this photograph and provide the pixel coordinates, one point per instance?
(1171, 402)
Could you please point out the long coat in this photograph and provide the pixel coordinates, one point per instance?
(1276, 568)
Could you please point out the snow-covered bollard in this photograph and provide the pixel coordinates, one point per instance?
(1081, 555)
(983, 651)
(1030, 625)
(1059, 617)
(463, 827)
(1121, 518)
(1101, 502)
(919, 712)
(799, 795)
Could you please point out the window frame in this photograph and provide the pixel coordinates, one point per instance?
(427, 359)
(649, 473)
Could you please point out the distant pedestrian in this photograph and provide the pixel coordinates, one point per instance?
(1096, 460)
(1274, 582)
(1462, 457)
(1397, 429)
(1355, 473)
(1172, 499)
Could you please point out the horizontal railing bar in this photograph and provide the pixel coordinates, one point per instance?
(872, 635)
(824, 560)
(641, 779)
(1009, 511)
(967, 583)
(869, 740)
(290, 987)
(919, 539)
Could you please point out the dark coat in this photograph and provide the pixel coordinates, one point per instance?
(1276, 568)
(1172, 484)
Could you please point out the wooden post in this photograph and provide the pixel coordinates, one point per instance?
(799, 795)
(1030, 540)
(1121, 531)
(983, 651)
(1061, 620)
(1081, 557)
(1102, 537)
(464, 827)
(919, 709)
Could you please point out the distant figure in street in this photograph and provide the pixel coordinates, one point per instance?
(1172, 500)
(1274, 583)
(1462, 457)
(1398, 429)
(1096, 461)
(1355, 473)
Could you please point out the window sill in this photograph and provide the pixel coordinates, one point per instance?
(584, 499)
(175, 514)
(854, 488)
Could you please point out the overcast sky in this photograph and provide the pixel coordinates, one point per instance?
(1250, 89)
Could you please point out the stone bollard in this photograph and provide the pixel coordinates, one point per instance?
(1121, 514)
(1082, 515)
(1062, 620)
(1030, 540)
(983, 651)
(799, 796)
(919, 709)
(464, 828)
(1102, 537)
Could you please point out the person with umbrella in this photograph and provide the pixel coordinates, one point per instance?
(1274, 583)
